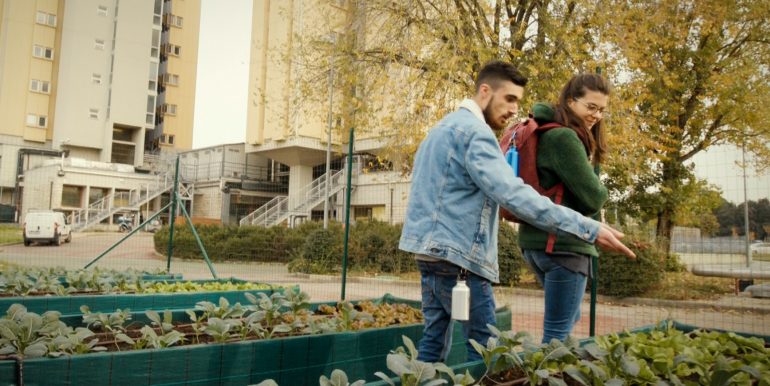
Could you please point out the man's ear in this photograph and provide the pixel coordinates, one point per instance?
(484, 94)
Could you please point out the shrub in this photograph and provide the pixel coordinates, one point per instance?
(620, 276)
(509, 256)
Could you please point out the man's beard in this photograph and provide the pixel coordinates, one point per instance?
(487, 112)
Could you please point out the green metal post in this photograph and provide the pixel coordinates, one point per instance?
(198, 239)
(594, 272)
(347, 215)
(594, 266)
(172, 217)
(113, 246)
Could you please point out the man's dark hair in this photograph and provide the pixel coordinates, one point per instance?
(496, 71)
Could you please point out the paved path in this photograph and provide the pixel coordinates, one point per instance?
(735, 313)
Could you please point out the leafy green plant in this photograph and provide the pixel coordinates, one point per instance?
(413, 372)
(150, 338)
(218, 329)
(164, 324)
(74, 342)
(20, 332)
(106, 321)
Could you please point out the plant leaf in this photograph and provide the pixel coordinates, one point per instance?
(385, 378)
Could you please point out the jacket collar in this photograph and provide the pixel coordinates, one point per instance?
(473, 107)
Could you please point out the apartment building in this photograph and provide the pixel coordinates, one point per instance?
(284, 126)
(177, 75)
(86, 88)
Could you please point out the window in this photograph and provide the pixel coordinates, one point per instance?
(93, 113)
(101, 10)
(172, 49)
(172, 79)
(99, 44)
(42, 52)
(362, 213)
(169, 109)
(45, 19)
(170, 139)
(37, 120)
(96, 78)
(155, 44)
(71, 196)
(41, 86)
(174, 20)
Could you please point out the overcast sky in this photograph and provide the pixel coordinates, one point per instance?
(223, 72)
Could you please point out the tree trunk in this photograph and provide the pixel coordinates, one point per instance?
(663, 229)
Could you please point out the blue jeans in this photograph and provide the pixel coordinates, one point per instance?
(438, 279)
(564, 291)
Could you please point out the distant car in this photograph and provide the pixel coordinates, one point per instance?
(46, 226)
(760, 248)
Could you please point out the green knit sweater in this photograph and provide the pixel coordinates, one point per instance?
(562, 157)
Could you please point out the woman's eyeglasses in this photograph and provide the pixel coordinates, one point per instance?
(594, 109)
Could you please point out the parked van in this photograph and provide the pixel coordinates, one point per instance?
(46, 226)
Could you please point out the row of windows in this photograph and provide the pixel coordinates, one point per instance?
(49, 19)
(41, 121)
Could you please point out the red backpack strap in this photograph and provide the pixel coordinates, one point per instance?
(558, 191)
(555, 193)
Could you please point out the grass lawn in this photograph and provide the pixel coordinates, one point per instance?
(10, 234)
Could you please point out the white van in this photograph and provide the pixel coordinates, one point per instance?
(46, 226)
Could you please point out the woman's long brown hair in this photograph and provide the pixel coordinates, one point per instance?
(594, 140)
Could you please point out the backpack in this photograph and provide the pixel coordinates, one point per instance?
(524, 136)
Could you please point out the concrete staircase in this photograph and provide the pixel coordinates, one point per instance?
(301, 203)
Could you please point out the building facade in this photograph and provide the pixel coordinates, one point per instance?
(86, 89)
(283, 125)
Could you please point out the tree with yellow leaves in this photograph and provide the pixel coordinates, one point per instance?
(694, 74)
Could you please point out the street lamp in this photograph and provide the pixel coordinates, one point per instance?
(331, 38)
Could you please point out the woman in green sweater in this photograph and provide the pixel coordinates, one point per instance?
(570, 155)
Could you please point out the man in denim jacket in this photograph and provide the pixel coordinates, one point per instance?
(459, 179)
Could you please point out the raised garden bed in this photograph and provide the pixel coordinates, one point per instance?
(109, 302)
(295, 360)
(669, 352)
(26, 281)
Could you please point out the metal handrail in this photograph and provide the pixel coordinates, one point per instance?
(279, 208)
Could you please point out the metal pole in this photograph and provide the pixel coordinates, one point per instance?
(172, 217)
(328, 146)
(347, 215)
(747, 231)
(198, 240)
(126, 238)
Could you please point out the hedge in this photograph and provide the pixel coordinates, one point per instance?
(308, 248)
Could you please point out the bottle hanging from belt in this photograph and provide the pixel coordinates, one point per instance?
(461, 299)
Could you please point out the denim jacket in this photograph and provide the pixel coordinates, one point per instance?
(459, 178)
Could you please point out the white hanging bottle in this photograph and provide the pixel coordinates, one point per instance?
(461, 301)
